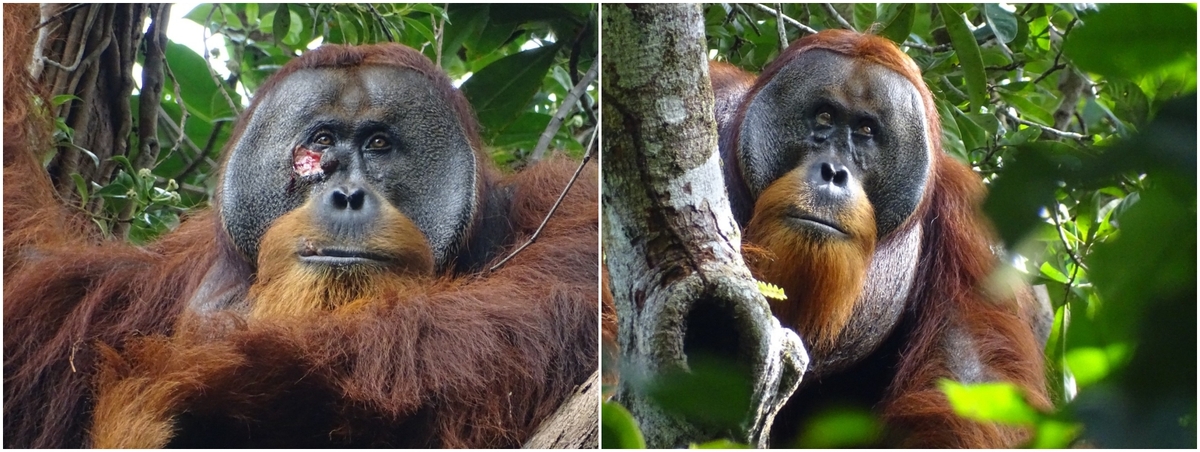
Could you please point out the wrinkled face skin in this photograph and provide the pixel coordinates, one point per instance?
(384, 129)
(846, 122)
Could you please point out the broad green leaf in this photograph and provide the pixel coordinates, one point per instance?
(523, 132)
(1053, 273)
(719, 444)
(1055, 434)
(864, 15)
(618, 428)
(81, 187)
(899, 27)
(281, 24)
(494, 34)
(420, 28)
(196, 85)
(840, 428)
(1003, 23)
(502, 89)
(200, 13)
(1027, 109)
(952, 142)
(995, 402)
(1128, 40)
(973, 135)
(968, 56)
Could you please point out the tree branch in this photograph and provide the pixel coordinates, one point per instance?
(829, 9)
(1047, 129)
(563, 110)
(793, 22)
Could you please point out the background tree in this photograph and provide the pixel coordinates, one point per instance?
(1081, 119)
(672, 245)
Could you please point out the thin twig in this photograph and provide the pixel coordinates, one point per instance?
(1048, 129)
(829, 9)
(783, 40)
(749, 20)
(441, 30)
(568, 103)
(183, 112)
(930, 49)
(952, 88)
(586, 156)
(59, 15)
(1052, 70)
(211, 72)
(1063, 237)
(382, 25)
(793, 22)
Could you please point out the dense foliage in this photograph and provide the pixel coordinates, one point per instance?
(516, 64)
(1082, 120)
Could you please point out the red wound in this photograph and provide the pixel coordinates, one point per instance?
(306, 162)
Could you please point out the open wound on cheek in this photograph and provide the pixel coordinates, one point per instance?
(306, 162)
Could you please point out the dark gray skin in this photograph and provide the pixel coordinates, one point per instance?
(849, 122)
(379, 127)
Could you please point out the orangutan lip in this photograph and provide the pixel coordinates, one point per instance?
(818, 224)
(340, 257)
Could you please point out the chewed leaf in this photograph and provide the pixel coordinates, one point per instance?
(771, 291)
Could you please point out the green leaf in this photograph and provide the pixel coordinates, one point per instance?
(952, 141)
(973, 135)
(838, 428)
(864, 15)
(720, 444)
(81, 187)
(618, 429)
(1054, 434)
(993, 402)
(523, 132)
(502, 89)
(350, 31)
(1003, 23)
(1128, 40)
(493, 35)
(420, 28)
(281, 25)
(62, 99)
(1053, 273)
(968, 56)
(901, 24)
(196, 86)
(1026, 108)
(464, 26)
(200, 13)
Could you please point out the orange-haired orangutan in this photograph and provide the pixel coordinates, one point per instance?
(834, 168)
(338, 293)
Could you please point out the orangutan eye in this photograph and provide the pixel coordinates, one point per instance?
(377, 143)
(824, 118)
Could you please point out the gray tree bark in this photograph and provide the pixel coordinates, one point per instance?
(575, 425)
(671, 244)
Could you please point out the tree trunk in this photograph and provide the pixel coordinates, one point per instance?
(575, 424)
(88, 51)
(671, 244)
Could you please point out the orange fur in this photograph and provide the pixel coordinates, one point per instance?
(821, 277)
(286, 286)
